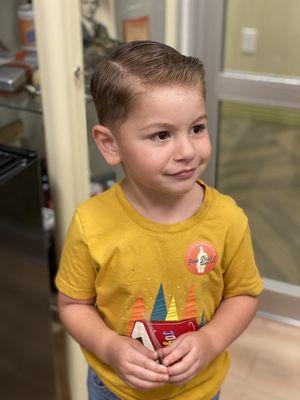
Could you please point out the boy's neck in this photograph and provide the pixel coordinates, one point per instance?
(165, 209)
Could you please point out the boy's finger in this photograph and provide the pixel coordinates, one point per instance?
(152, 365)
(142, 384)
(142, 360)
(147, 352)
(174, 356)
(162, 353)
(186, 364)
(165, 351)
(147, 374)
(185, 375)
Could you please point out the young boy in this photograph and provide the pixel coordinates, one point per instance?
(160, 251)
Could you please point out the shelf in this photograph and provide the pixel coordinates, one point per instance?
(23, 101)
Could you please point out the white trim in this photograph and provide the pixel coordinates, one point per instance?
(171, 15)
(60, 54)
(59, 43)
(279, 318)
(282, 287)
(189, 21)
(185, 39)
(261, 78)
(258, 90)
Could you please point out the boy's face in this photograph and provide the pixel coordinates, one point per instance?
(164, 144)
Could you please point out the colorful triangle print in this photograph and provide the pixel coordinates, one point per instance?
(203, 320)
(138, 312)
(159, 310)
(172, 313)
(190, 310)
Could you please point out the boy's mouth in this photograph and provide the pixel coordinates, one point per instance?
(184, 173)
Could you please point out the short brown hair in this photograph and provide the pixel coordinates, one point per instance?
(134, 64)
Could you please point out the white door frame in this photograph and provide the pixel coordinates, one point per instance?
(59, 45)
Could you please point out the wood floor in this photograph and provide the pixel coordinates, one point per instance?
(265, 363)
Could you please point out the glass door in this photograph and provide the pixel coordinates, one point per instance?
(253, 75)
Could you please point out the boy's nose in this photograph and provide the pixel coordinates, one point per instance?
(184, 150)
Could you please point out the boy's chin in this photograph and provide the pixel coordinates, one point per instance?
(180, 189)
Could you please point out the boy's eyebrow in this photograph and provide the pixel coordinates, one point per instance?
(204, 116)
(167, 125)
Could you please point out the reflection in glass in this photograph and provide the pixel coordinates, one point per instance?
(262, 37)
(96, 40)
(259, 165)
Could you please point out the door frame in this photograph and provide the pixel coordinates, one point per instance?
(204, 26)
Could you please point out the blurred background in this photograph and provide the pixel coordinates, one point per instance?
(49, 163)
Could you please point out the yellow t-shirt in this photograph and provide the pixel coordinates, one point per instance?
(142, 270)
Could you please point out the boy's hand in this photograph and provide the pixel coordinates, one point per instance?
(188, 355)
(135, 364)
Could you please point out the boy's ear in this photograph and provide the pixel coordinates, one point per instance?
(107, 144)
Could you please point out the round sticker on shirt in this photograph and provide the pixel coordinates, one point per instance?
(201, 257)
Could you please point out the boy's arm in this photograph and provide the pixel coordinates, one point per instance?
(230, 320)
(83, 322)
(191, 352)
(133, 362)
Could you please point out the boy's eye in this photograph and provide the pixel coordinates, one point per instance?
(160, 136)
(198, 128)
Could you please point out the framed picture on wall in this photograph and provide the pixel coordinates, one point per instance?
(98, 30)
(136, 29)
(141, 19)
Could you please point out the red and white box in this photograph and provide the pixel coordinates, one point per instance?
(157, 334)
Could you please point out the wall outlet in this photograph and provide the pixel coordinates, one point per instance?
(248, 43)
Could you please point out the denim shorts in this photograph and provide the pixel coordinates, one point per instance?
(98, 391)
(96, 388)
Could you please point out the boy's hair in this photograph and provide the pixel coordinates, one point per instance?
(135, 65)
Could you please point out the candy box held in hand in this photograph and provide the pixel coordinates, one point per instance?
(158, 334)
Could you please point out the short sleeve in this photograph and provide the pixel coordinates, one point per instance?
(77, 270)
(241, 276)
